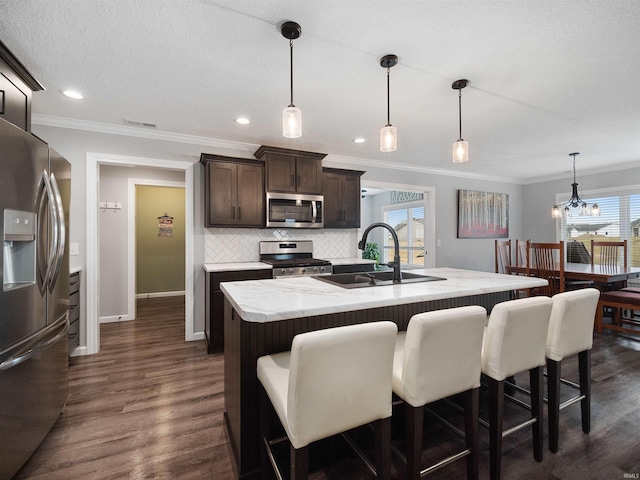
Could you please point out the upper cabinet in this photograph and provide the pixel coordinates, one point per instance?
(292, 171)
(16, 87)
(341, 198)
(234, 191)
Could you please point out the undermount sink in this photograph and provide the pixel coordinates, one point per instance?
(373, 279)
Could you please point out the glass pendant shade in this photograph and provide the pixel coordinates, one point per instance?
(292, 122)
(388, 138)
(595, 210)
(555, 213)
(460, 151)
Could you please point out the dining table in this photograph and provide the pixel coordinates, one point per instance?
(588, 272)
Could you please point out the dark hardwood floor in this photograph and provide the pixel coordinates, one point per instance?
(149, 405)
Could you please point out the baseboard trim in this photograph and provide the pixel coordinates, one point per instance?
(198, 336)
(116, 318)
(159, 294)
(78, 352)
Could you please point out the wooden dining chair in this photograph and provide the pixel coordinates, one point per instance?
(609, 255)
(503, 256)
(546, 260)
(521, 253)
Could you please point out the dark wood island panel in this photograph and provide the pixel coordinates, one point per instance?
(246, 341)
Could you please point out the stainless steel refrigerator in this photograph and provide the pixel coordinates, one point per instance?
(35, 186)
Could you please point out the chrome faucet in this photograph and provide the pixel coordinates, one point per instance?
(396, 248)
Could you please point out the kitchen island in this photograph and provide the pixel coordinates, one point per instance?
(263, 316)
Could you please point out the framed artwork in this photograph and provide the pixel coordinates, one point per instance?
(483, 214)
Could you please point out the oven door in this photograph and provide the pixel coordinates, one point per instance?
(290, 210)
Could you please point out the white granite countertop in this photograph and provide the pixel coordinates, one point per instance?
(229, 266)
(349, 261)
(226, 267)
(283, 298)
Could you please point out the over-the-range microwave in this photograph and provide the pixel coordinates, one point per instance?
(293, 210)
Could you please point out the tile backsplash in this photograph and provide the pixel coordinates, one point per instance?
(223, 245)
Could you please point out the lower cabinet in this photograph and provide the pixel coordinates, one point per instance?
(214, 309)
(74, 311)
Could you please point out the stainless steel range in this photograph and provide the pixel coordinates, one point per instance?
(293, 258)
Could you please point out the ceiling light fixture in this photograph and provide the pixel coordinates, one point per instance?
(575, 201)
(243, 121)
(388, 133)
(359, 140)
(461, 147)
(73, 94)
(291, 115)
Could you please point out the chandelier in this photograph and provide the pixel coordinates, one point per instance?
(575, 201)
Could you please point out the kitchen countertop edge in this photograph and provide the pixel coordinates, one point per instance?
(271, 300)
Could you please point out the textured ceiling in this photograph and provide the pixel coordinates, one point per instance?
(546, 78)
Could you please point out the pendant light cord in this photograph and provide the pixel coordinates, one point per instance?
(388, 107)
(291, 71)
(460, 114)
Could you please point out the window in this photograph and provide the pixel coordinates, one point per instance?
(408, 222)
(619, 220)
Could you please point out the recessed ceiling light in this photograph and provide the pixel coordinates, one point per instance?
(73, 94)
(359, 140)
(243, 121)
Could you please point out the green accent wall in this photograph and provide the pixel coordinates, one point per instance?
(159, 259)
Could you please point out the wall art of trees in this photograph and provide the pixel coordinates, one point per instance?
(483, 214)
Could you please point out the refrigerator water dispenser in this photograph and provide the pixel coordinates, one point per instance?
(19, 250)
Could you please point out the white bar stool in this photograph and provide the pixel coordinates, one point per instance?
(515, 341)
(437, 357)
(331, 381)
(570, 332)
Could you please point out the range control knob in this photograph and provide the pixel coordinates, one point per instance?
(290, 271)
(283, 271)
(303, 270)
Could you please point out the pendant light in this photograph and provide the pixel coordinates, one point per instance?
(575, 201)
(291, 115)
(461, 147)
(388, 133)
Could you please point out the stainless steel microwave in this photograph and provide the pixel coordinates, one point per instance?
(293, 210)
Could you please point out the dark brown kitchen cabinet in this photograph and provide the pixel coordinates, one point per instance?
(214, 306)
(234, 191)
(341, 198)
(292, 171)
(74, 311)
(16, 87)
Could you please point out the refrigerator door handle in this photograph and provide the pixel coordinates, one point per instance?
(23, 356)
(53, 243)
(61, 232)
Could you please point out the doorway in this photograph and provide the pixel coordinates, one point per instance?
(93, 278)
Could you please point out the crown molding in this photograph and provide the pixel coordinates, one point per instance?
(344, 160)
(337, 160)
(583, 173)
(85, 125)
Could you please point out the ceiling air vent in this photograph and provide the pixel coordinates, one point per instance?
(137, 123)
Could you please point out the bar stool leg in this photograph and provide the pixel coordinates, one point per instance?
(414, 425)
(265, 430)
(536, 381)
(299, 460)
(553, 382)
(584, 367)
(496, 416)
(471, 429)
(382, 432)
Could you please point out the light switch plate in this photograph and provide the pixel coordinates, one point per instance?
(73, 249)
